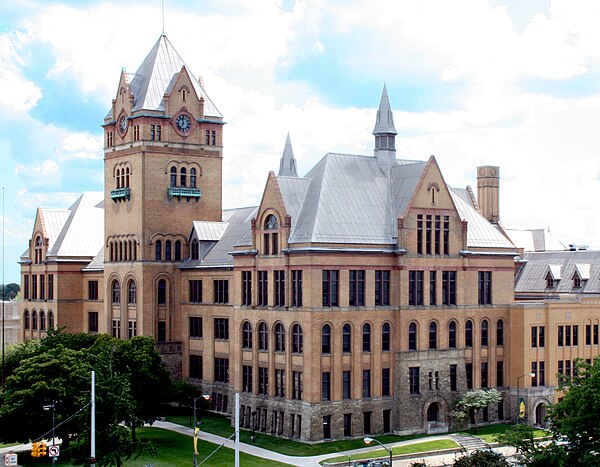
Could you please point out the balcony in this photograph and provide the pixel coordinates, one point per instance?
(120, 194)
(184, 192)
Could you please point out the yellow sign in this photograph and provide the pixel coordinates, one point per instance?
(196, 430)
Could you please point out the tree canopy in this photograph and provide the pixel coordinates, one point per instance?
(473, 401)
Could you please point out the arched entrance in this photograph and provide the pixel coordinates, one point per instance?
(540, 414)
(433, 412)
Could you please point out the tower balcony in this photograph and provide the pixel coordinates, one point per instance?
(184, 192)
(120, 194)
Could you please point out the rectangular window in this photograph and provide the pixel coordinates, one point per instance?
(561, 368)
(561, 336)
(42, 287)
(92, 321)
(534, 336)
(347, 424)
(279, 383)
(575, 335)
(413, 380)
(428, 234)
(534, 380)
(500, 374)
(116, 328)
(195, 291)
(26, 287)
(485, 287)
(448, 287)
(437, 237)
(213, 137)
(366, 383)
(367, 422)
(568, 368)
(50, 286)
(297, 288)
(34, 287)
(346, 385)
(196, 366)
(433, 288)
(588, 334)
(279, 292)
(246, 378)
(484, 374)
(221, 370)
(420, 234)
(385, 382)
(595, 328)
(330, 287)
(132, 328)
(446, 235)
(415, 288)
(266, 244)
(568, 336)
(207, 137)
(263, 381)
(152, 132)
(221, 291)
(221, 328)
(382, 288)
(297, 385)
(541, 336)
(263, 288)
(453, 377)
(357, 288)
(541, 373)
(469, 375)
(326, 386)
(196, 327)
(247, 288)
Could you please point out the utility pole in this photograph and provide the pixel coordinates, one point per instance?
(93, 432)
(237, 429)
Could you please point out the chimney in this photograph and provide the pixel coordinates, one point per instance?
(488, 192)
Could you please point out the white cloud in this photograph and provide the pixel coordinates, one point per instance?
(81, 146)
(46, 174)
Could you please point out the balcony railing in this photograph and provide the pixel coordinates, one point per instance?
(120, 194)
(184, 192)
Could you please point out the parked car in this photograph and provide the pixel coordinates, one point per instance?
(368, 463)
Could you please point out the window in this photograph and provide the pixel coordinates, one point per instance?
(168, 250)
(116, 292)
(247, 288)
(42, 287)
(385, 382)
(453, 377)
(485, 287)
(34, 287)
(246, 378)
(484, 374)
(357, 288)
(50, 286)
(158, 251)
(196, 366)
(297, 339)
(26, 319)
(196, 327)
(433, 335)
(448, 287)
(412, 336)
(246, 335)
(367, 422)
(263, 337)
(386, 338)
(263, 288)
(366, 337)
(178, 250)
(192, 178)
(434, 380)
(500, 332)
(263, 381)
(183, 177)
(131, 292)
(296, 288)
(161, 295)
(346, 385)
(452, 334)
(297, 385)
(136, 132)
(50, 320)
(433, 288)
(534, 379)
(366, 383)
(330, 288)
(43, 321)
(420, 234)
(382, 288)
(221, 291)
(195, 291)
(428, 220)
(155, 132)
(195, 251)
(221, 328)
(469, 333)
(279, 298)
(93, 290)
(560, 336)
(207, 137)
(413, 380)
(576, 280)
(279, 338)
(271, 238)
(484, 333)
(550, 282)
(38, 250)
(221, 370)
(500, 373)
(279, 383)
(326, 386)
(213, 137)
(469, 375)
(415, 288)
(446, 235)
(347, 425)
(326, 339)
(575, 335)
(116, 328)
(26, 287)
(346, 338)
(132, 330)
(34, 321)
(595, 328)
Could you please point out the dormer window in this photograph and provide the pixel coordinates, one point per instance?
(271, 236)
(576, 281)
(550, 282)
(553, 275)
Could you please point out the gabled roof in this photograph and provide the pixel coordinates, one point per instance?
(154, 77)
(52, 221)
(535, 240)
(583, 271)
(210, 231)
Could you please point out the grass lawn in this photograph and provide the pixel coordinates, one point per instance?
(425, 446)
(174, 450)
(489, 432)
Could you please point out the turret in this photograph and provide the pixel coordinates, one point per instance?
(385, 133)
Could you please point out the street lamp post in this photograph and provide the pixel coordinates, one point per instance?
(368, 440)
(48, 407)
(196, 429)
(531, 375)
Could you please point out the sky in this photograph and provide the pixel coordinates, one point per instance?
(509, 83)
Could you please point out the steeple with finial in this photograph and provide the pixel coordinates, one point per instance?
(287, 164)
(385, 133)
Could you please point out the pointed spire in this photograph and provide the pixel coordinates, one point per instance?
(287, 164)
(385, 118)
(385, 134)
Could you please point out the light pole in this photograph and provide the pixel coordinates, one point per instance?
(48, 407)
(196, 429)
(368, 440)
(531, 375)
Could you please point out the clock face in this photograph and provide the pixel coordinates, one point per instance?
(183, 123)
(123, 122)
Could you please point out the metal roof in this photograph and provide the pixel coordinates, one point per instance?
(535, 240)
(385, 118)
(212, 231)
(287, 164)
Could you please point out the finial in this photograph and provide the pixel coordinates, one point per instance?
(163, 16)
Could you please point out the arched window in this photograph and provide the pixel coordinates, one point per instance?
(271, 237)
(178, 250)
(500, 332)
(183, 177)
(38, 250)
(366, 337)
(484, 333)
(50, 320)
(412, 336)
(452, 334)
(120, 251)
(271, 223)
(279, 338)
(326, 339)
(192, 178)
(433, 335)
(158, 252)
(127, 177)
(346, 338)
(297, 339)
(125, 257)
(173, 177)
(34, 320)
(195, 250)
(118, 178)
(116, 292)
(247, 335)
(263, 337)
(386, 337)
(112, 251)
(123, 178)
(134, 250)
(26, 319)
(469, 333)
(162, 292)
(168, 250)
(42, 320)
(131, 292)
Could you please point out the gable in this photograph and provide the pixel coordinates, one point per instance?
(432, 192)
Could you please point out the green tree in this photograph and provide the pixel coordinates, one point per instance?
(474, 401)
(9, 291)
(530, 452)
(481, 459)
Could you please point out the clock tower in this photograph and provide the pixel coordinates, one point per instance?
(162, 170)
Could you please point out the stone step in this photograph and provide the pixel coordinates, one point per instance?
(470, 443)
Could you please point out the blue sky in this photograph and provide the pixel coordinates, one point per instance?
(513, 83)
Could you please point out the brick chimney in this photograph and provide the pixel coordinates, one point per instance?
(488, 192)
